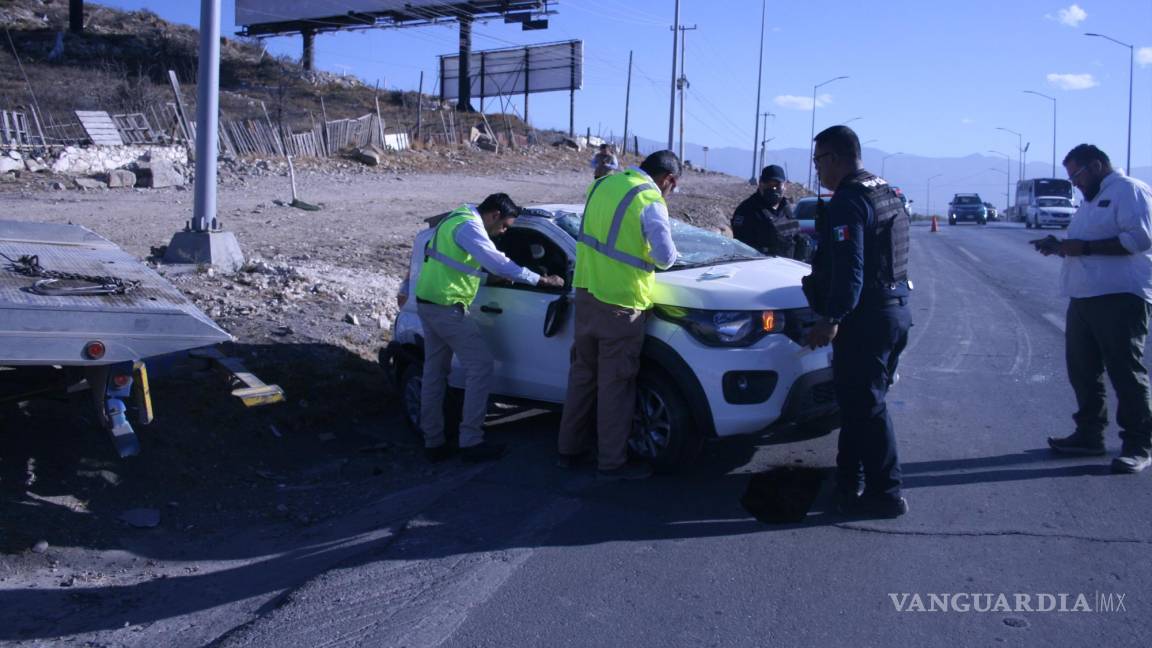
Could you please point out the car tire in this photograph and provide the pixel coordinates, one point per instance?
(1027, 223)
(951, 221)
(410, 382)
(664, 431)
(983, 222)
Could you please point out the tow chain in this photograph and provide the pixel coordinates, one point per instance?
(29, 266)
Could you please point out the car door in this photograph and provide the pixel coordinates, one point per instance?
(512, 317)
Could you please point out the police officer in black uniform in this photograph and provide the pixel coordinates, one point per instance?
(859, 284)
(764, 220)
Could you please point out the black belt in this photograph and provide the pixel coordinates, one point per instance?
(893, 301)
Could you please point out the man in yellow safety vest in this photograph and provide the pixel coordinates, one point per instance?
(447, 285)
(624, 237)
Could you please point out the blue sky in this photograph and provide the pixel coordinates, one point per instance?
(926, 78)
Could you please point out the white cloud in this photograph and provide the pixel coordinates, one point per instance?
(1144, 56)
(795, 102)
(1072, 81)
(1072, 16)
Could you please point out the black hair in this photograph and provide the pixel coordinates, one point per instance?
(662, 162)
(840, 140)
(1085, 154)
(499, 202)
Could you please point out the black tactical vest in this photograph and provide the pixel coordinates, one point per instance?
(886, 243)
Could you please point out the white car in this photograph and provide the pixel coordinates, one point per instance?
(723, 354)
(1049, 211)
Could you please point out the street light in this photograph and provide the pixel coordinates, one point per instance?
(929, 201)
(851, 120)
(1019, 147)
(1008, 173)
(766, 115)
(885, 161)
(1006, 188)
(871, 141)
(764, 143)
(1131, 63)
(812, 136)
(1053, 100)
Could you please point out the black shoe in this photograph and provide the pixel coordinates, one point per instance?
(1077, 444)
(873, 507)
(846, 503)
(571, 462)
(439, 453)
(1130, 463)
(481, 452)
(627, 471)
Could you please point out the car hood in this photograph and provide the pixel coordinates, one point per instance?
(770, 283)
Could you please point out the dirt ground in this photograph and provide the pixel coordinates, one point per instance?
(218, 475)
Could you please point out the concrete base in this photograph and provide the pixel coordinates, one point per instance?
(220, 250)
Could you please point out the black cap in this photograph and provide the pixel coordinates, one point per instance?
(773, 172)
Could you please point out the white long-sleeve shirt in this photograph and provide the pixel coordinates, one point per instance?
(657, 229)
(1123, 210)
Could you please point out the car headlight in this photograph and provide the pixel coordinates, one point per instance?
(723, 328)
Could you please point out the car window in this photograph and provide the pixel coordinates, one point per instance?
(696, 246)
(967, 200)
(533, 250)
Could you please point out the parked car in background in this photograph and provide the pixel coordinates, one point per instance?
(724, 353)
(993, 213)
(967, 207)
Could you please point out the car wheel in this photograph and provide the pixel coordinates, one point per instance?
(1027, 223)
(951, 221)
(411, 383)
(664, 432)
(983, 222)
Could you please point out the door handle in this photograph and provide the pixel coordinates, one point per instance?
(494, 309)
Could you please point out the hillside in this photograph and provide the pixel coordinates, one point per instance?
(121, 61)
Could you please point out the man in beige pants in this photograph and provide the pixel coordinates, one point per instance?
(624, 237)
(447, 285)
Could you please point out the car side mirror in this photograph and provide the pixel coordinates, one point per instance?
(556, 315)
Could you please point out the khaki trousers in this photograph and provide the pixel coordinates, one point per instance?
(602, 379)
(448, 330)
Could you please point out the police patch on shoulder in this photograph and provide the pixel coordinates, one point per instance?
(842, 233)
(1104, 203)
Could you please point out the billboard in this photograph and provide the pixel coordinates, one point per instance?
(516, 70)
(277, 16)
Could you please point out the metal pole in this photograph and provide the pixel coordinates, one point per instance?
(464, 93)
(812, 136)
(1131, 71)
(672, 94)
(308, 54)
(420, 110)
(76, 16)
(766, 115)
(627, 102)
(1053, 100)
(759, 84)
(884, 162)
(572, 92)
(527, 71)
(207, 117)
(682, 82)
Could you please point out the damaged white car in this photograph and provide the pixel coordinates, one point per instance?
(723, 354)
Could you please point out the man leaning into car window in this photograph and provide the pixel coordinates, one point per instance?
(447, 285)
(624, 236)
(863, 295)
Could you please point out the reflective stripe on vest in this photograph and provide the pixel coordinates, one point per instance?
(450, 275)
(431, 253)
(608, 248)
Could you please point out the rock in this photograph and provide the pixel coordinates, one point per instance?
(90, 183)
(141, 518)
(118, 178)
(35, 166)
(58, 186)
(367, 155)
(8, 177)
(352, 319)
(568, 142)
(157, 174)
(8, 164)
(40, 547)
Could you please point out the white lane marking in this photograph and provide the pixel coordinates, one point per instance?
(969, 254)
(1055, 320)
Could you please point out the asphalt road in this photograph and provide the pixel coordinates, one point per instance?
(522, 554)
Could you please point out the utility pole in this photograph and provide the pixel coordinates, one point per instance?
(705, 158)
(627, 101)
(672, 96)
(76, 16)
(464, 88)
(765, 115)
(682, 83)
(759, 84)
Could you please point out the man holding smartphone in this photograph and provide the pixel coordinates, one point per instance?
(1107, 276)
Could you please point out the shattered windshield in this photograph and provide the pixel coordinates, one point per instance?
(696, 246)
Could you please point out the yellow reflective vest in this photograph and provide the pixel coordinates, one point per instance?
(450, 274)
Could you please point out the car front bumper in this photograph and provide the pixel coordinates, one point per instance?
(802, 389)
